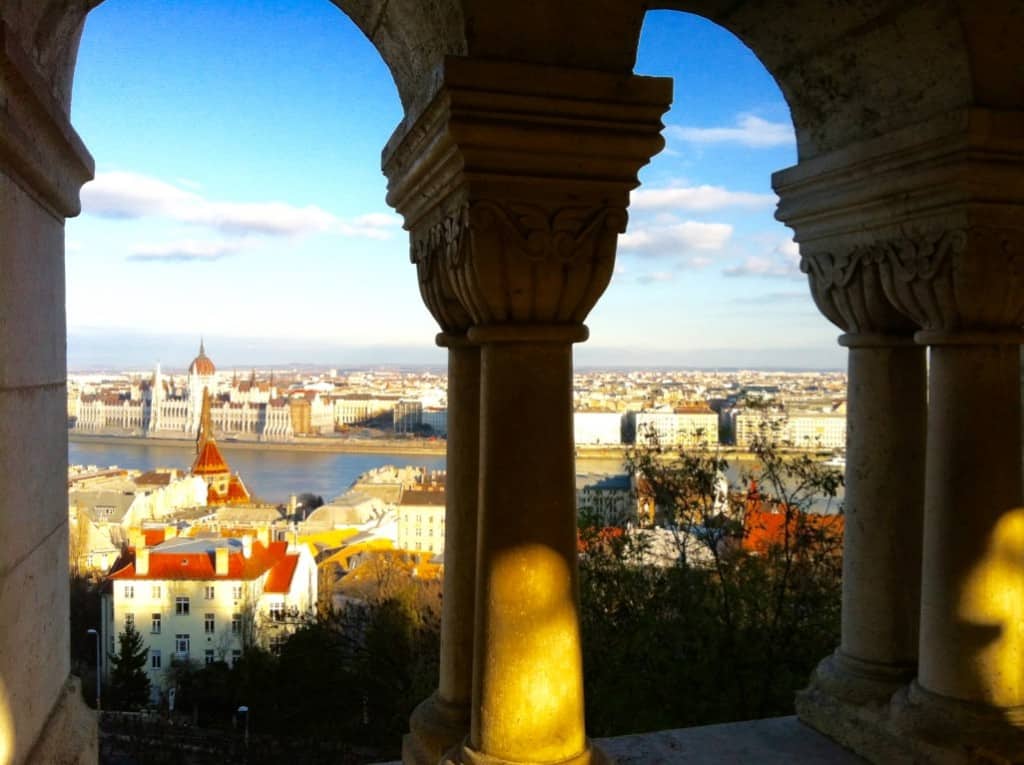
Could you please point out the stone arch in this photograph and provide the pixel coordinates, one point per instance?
(854, 71)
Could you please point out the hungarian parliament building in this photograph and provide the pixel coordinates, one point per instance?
(160, 407)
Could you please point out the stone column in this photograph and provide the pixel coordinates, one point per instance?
(442, 721)
(42, 166)
(527, 171)
(886, 412)
(933, 214)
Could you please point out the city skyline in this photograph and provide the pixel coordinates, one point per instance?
(277, 246)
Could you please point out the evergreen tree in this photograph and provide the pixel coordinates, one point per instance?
(129, 684)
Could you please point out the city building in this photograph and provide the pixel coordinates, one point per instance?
(223, 486)
(792, 429)
(680, 427)
(421, 521)
(596, 427)
(205, 599)
(161, 407)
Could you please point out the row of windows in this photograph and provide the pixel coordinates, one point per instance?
(181, 647)
(209, 593)
(209, 622)
(419, 519)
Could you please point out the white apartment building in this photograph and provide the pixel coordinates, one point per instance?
(593, 427)
(796, 430)
(687, 426)
(358, 409)
(421, 521)
(206, 599)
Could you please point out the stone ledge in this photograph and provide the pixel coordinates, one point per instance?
(773, 741)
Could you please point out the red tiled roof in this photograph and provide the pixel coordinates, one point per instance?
(209, 460)
(183, 566)
(153, 537)
(280, 578)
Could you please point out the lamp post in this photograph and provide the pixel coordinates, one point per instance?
(243, 710)
(96, 635)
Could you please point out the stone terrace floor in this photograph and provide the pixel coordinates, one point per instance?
(774, 741)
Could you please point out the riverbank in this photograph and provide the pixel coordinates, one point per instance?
(319, 445)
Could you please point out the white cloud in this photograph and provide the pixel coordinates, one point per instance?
(749, 130)
(655, 276)
(133, 195)
(188, 250)
(782, 262)
(680, 239)
(698, 199)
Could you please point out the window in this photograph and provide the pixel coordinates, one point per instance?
(156, 592)
(208, 624)
(209, 592)
(277, 612)
(181, 645)
(236, 592)
(129, 621)
(155, 624)
(129, 590)
(277, 643)
(236, 654)
(181, 606)
(208, 656)
(236, 624)
(154, 658)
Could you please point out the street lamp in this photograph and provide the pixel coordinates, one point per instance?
(96, 635)
(243, 710)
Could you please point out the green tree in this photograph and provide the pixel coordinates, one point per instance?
(129, 684)
(735, 626)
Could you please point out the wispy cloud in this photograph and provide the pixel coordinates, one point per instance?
(683, 240)
(185, 251)
(698, 199)
(654, 277)
(126, 195)
(749, 130)
(785, 296)
(783, 261)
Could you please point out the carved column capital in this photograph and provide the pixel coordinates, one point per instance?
(921, 227)
(514, 184)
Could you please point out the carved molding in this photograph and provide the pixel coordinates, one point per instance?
(969, 277)
(435, 249)
(535, 263)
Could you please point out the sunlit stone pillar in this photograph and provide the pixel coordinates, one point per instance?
(526, 172)
(885, 460)
(42, 166)
(932, 214)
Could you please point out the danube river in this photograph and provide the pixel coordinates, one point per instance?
(272, 476)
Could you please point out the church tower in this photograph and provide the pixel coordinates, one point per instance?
(202, 375)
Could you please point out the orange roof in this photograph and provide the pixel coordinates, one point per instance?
(153, 537)
(170, 564)
(209, 460)
(280, 578)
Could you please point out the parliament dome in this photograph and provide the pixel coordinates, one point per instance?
(201, 364)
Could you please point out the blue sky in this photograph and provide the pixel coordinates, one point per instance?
(239, 196)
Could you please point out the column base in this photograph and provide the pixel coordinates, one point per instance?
(857, 681)
(914, 726)
(464, 755)
(71, 734)
(435, 727)
(958, 731)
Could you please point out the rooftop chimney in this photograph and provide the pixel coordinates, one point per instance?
(247, 545)
(222, 560)
(142, 561)
(136, 538)
(263, 535)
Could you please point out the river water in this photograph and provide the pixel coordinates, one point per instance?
(270, 475)
(273, 475)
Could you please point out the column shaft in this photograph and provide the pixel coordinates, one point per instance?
(972, 635)
(441, 721)
(528, 679)
(884, 504)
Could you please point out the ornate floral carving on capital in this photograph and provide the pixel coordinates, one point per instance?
(847, 288)
(940, 278)
(435, 250)
(535, 262)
